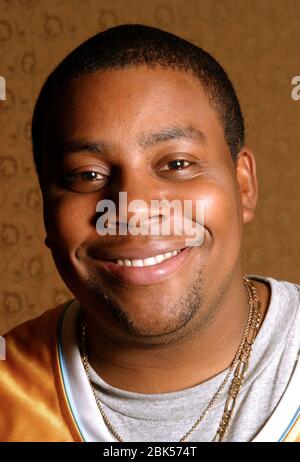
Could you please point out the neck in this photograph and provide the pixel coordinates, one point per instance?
(197, 357)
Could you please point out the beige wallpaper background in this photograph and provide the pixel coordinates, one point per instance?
(257, 42)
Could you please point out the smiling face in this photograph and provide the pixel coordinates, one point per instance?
(152, 134)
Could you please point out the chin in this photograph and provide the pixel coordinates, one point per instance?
(149, 324)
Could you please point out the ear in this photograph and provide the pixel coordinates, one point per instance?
(247, 180)
(47, 243)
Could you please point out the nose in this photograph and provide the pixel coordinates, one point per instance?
(132, 191)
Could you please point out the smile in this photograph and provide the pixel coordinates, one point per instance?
(145, 271)
(154, 260)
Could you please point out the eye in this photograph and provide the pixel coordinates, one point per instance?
(85, 180)
(177, 164)
(179, 167)
(90, 176)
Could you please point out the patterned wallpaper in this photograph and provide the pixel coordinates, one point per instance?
(257, 42)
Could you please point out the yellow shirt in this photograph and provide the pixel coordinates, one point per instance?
(42, 384)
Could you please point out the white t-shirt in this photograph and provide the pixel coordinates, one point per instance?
(267, 405)
(169, 416)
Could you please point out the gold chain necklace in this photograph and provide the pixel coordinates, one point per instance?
(240, 361)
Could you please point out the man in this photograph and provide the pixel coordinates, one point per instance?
(155, 346)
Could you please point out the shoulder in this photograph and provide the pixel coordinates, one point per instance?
(31, 391)
(281, 291)
(32, 337)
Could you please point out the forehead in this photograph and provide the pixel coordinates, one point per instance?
(127, 102)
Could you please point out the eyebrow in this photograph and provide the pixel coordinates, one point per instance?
(146, 140)
(98, 147)
(189, 133)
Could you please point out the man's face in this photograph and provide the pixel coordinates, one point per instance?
(100, 142)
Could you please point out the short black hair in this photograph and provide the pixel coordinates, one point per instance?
(131, 45)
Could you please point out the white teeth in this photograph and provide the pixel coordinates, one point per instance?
(137, 263)
(159, 258)
(149, 261)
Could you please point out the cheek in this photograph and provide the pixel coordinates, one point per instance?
(222, 214)
(69, 220)
(223, 218)
(221, 209)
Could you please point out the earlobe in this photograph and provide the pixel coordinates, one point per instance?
(247, 180)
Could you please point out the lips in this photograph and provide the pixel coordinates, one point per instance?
(139, 273)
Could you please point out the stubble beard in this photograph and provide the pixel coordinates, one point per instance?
(194, 311)
(153, 329)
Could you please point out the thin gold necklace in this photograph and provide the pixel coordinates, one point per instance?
(240, 361)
